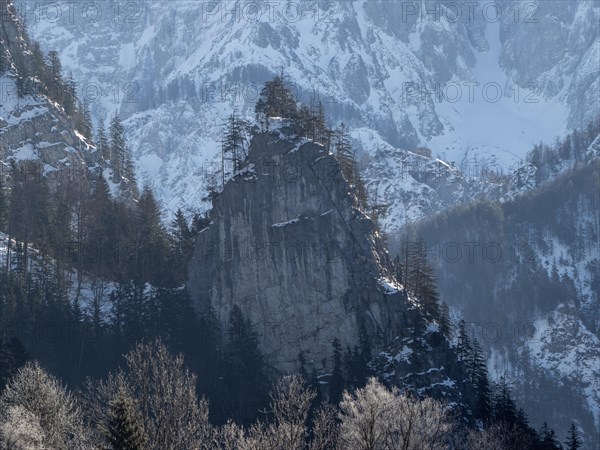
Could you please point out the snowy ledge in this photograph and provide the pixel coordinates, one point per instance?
(288, 222)
(389, 286)
(277, 123)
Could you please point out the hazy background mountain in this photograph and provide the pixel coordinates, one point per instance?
(478, 89)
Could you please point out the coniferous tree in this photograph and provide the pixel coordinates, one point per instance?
(350, 363)
(376, 209)
(180, 229)
(125, 429)
(305, 125)
(548, 438)
(398, 270)
(79, 126)
(209, 347)
(336, 386)
(102, 141)
(102, 234)
(59, 90)
(365, 342)
(505, 408)
(573, 441)
(3, 205)
(355, 361)
(181, 239)
(344, 153)
(302, 370)
(22, 73)
(129, 169)
(39, 65)
(474, 362)
(363, 198)
(116, 138)
(119, 153)
(12, 357)
(86, 120)
(67, 96)
(199, 223)
(235, 144)
(149, 241)
(244, 367)
(133, 301)
(463, 346)
(422, 280)
(480, 380)
(321, 131)
(28, 214)
(276, 100)
(445, 322)
(54, 67)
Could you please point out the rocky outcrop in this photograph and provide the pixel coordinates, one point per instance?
(288, 244)
(35, 132)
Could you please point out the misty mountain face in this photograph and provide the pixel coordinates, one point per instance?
(471, 82)
(560, 58)
(525, 276)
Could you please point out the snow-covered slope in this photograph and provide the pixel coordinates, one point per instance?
(36, 129)
(36, 133)
(525, 275)
(177, 69)
(86, 291)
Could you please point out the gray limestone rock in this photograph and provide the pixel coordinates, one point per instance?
(288, 244)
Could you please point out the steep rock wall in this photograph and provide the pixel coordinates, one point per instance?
(288, 244)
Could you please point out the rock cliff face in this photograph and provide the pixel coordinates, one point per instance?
(288, 244)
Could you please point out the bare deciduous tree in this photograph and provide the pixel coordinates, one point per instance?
(376, 418)
(164, 393)
(231, 436)
(290, 403)
(21, 430)
(424, 424)
(38, 399)
(325, 429)
(499, 436)
(366, 417)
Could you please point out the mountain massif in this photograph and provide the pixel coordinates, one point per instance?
(468, 81)
(284, 266)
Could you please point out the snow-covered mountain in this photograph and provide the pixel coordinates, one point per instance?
(464, 80)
